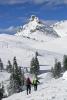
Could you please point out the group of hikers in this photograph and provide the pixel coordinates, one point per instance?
(29, 83)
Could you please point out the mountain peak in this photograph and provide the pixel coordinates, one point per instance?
(34, 18)
(35, 29)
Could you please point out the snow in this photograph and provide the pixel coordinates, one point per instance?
(24, 49)
(48, 89)
(23, 45)
(61, 28)
(4, 76)
(35, 29)
(65, 75)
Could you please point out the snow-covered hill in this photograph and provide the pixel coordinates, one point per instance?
(61, 28)
(49, 89)
(35, 29)
(24, 49)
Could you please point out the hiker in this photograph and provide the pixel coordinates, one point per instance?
(35, 84)
(28, 85)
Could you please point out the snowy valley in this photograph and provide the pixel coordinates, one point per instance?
(50, 43)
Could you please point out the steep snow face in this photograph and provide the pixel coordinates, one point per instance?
(61, 28)
(35, 29)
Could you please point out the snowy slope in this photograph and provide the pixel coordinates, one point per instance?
(35, 29)
(49, 89)
(61, 28)
(4, 76)
(24, 49)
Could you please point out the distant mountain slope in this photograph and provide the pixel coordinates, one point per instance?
(24, 49)
(60, 28)
(35, 29)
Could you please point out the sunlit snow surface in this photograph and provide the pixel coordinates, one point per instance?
(61, 28)
(24, 49)
(49, 89)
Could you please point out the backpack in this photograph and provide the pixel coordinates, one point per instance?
(35, 81)
(28, 81)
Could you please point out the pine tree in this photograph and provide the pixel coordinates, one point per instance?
(65, 62)
(56, 70)
(37, 65)
(1, 65)
(34, 69)
(36, 54)
(16, 78)
(9, 67)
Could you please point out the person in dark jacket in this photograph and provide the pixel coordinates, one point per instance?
(28, 85)
(35, 84)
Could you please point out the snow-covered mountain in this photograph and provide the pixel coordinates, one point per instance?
(35, 29)
(23, 45)
(61, 28)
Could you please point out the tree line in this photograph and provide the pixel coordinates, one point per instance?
(59, 68)
(17, 77)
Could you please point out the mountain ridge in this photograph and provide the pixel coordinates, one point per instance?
(35, 29)
(61, 28)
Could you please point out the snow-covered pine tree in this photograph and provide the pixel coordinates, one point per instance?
(16, 79)
(1, 65)
(2, 90)
(65, 62)
(34, 69)
(37, 68)
(36, 54)
(9, 67)
(56, 70)
(21, 78)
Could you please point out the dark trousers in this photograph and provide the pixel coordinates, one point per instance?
(35, 87)
(28, 89)
(0, 98)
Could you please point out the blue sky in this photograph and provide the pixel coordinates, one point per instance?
(16, 12)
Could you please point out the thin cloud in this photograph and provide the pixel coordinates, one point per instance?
(9, 30)
(50, 2)
(49, 22)
(12, 1)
